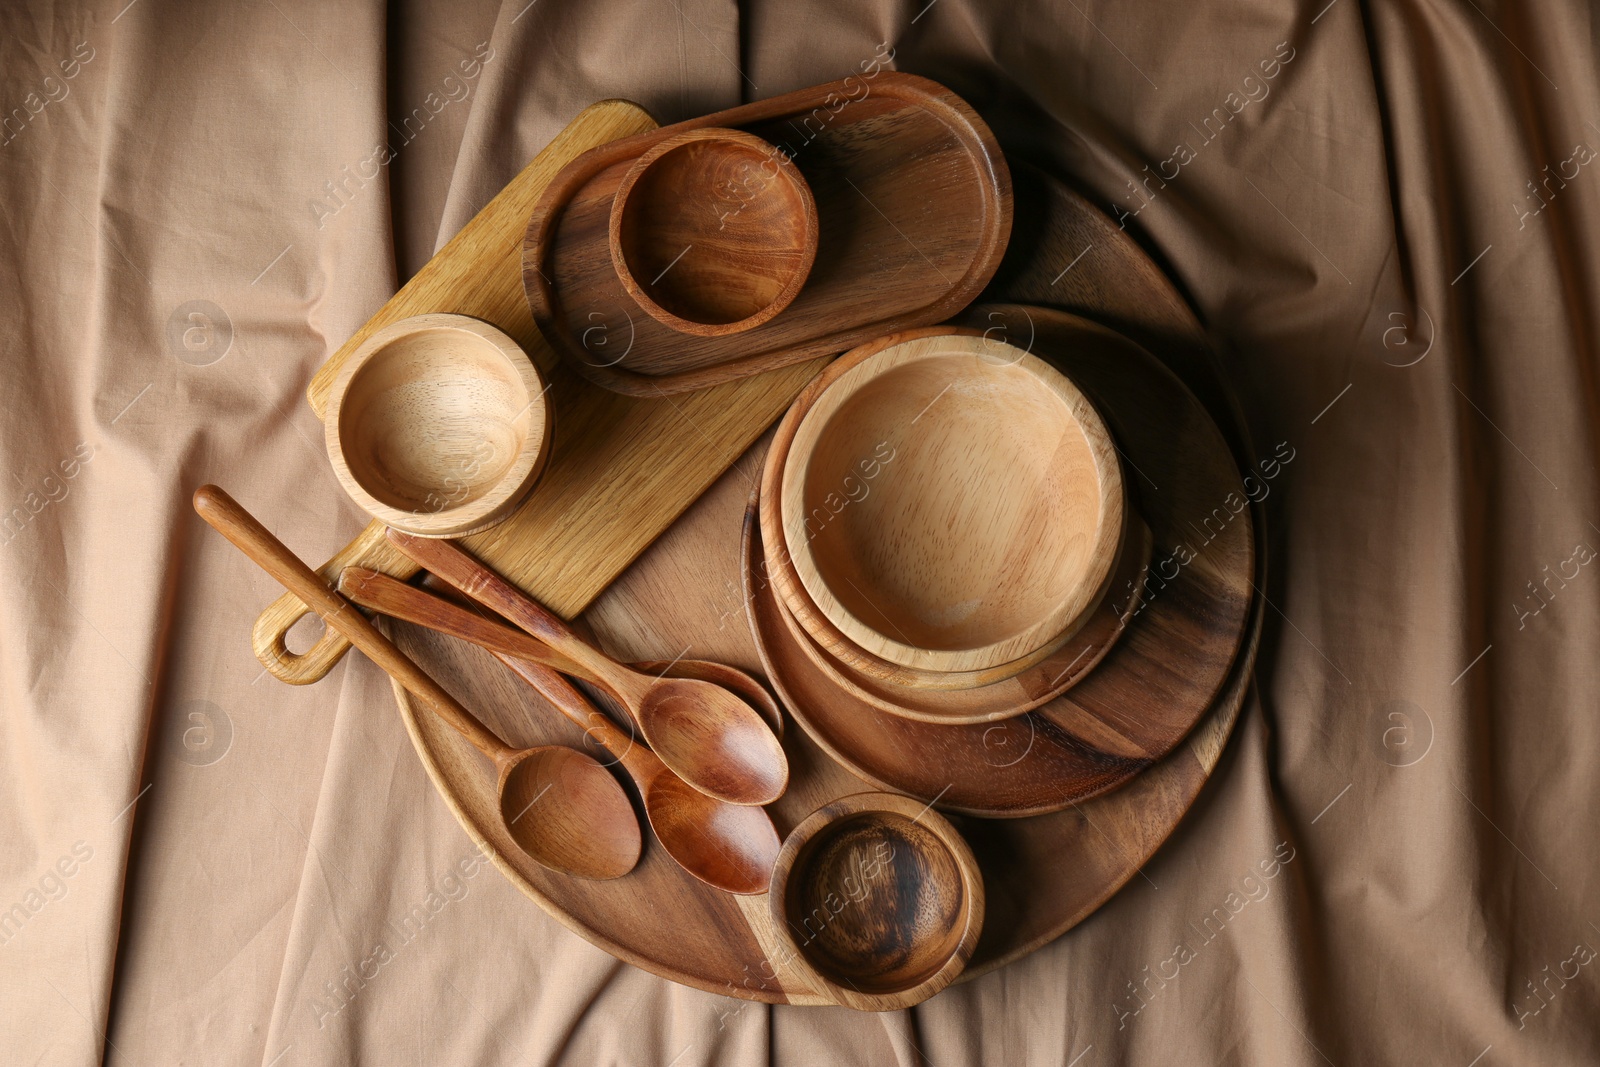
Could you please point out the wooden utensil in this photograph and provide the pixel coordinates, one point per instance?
(881, 900)
(438, 425)
(707, 735)
(713, 231)
(990, 508)
(372, 589)
(913, 210)
(587, 828)
(621, 470)
(729, 846)
(1035, 686)
(725, 845)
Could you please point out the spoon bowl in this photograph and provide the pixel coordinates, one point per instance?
(730, 846)
(728, 750)
(566, 811)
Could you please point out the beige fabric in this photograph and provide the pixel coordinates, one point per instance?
(1402, 293)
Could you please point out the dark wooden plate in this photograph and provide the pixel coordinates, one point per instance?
(1153, 685)
(913, 202)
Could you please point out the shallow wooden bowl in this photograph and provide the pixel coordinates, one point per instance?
(713, 231)
(779, 568)
(993, 516)
(438, 425)
(880, 901)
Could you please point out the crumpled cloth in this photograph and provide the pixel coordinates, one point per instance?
(1383, 212)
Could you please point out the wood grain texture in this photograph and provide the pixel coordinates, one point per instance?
(914, 209)
(662, 920)
(713, 232)
(621, 469)
(682, 597)
(950, 503)
(781, 571)
(438, 425)
(880, 899)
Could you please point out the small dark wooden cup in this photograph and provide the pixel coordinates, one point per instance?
(880, 899)
(713, 231)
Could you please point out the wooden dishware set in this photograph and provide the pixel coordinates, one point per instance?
(988, 563)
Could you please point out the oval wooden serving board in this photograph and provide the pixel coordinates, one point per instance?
(891, 162)
(1043, 874)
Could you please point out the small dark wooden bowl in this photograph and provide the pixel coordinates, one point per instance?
(880, 899)
(713, 231)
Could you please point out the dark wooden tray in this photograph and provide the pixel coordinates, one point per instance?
(914, 212)
(1043, 874)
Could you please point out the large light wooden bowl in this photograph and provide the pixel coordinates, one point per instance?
(880, 901)
(952, 503)
(713, 231)
(438, 425)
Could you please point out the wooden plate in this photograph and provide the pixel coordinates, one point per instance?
(1021, 766)
(913, 203)
(1042, 875)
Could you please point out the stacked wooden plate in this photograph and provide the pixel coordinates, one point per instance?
(954, 531)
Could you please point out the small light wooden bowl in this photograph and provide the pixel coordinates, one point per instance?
(438, 425)
(991, 528)
(880, 900)
(713, 231)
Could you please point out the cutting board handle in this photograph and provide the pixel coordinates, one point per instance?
(272, 626)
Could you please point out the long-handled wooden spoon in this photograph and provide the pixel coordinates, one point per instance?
(586, 826)
(729, 846)
(712, 739)
(732, 679)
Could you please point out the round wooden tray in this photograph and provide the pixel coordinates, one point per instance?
(1043, 874)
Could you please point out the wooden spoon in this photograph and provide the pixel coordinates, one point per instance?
(707, 735)
(587, 826)
(733, 679)
(729, 846)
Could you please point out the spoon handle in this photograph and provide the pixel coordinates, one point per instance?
(387, 595)
(456, 566)
(256, 541)
(641, 763)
